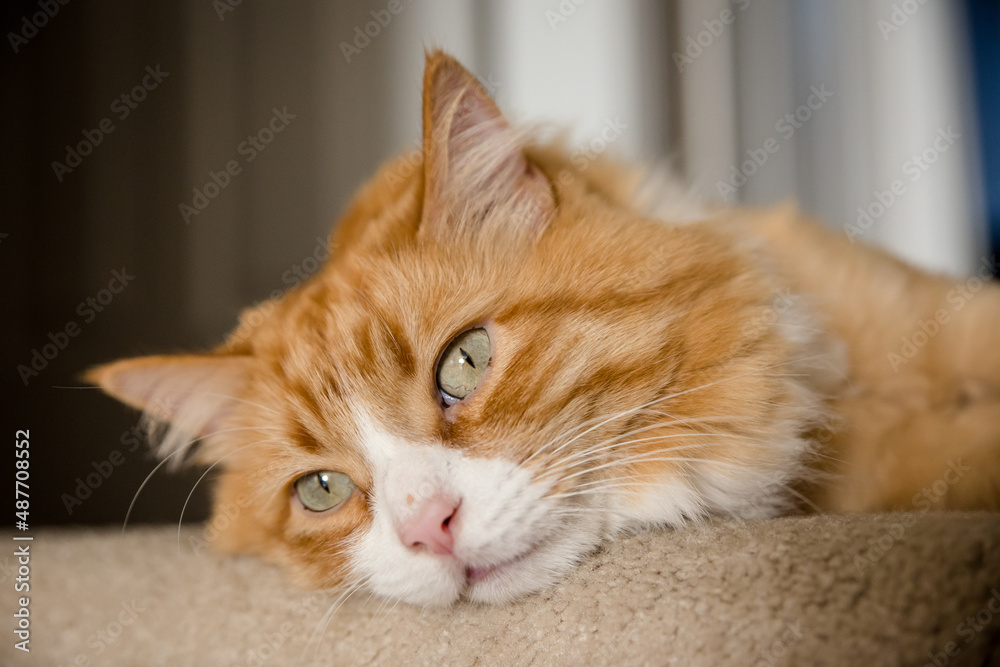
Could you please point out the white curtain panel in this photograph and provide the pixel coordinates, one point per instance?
(860, 110)
(581, 65)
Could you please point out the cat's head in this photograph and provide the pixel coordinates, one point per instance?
(501, 364)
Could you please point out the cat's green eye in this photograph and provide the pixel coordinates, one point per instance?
(462, 365)
(323, 490)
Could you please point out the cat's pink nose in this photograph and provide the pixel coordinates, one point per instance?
(429, 527)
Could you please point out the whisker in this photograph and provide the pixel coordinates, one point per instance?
(746, 439)
(208, 470)
(382, 614)
(320, 629)
(648, 459)
(758, 372)
(620, 481)
(143, 485)
(179, 450)
(611, 443)
(632, 444)
(600, 481)
(801, 497)
(566, 433)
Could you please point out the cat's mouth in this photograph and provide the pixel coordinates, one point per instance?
(476, 574)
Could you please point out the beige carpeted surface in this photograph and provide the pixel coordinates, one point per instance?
(861, 590)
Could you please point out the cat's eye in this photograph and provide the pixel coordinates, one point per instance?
(462, 365)
(323, 490)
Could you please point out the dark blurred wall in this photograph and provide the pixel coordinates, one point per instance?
(68, 233)
(100, 260)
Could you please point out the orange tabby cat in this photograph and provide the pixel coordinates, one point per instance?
(507, 360)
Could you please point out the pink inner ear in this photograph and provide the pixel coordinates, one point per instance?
(474, 162)
(192, 392)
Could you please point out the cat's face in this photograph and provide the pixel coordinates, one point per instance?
(492, 373)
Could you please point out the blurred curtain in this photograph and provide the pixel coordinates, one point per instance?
(705, 85)
(881, 141)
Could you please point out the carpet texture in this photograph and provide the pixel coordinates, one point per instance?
(901, 589)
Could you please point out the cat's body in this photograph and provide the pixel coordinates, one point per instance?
(506, 361)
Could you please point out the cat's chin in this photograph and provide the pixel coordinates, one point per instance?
(539, 567)
(506, 582)
(501, 582)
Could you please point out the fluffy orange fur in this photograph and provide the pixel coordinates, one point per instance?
(724, 342)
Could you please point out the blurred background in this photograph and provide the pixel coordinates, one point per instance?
(168, 163)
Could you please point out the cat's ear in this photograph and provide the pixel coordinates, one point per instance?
(193, 393)
(477, 179)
